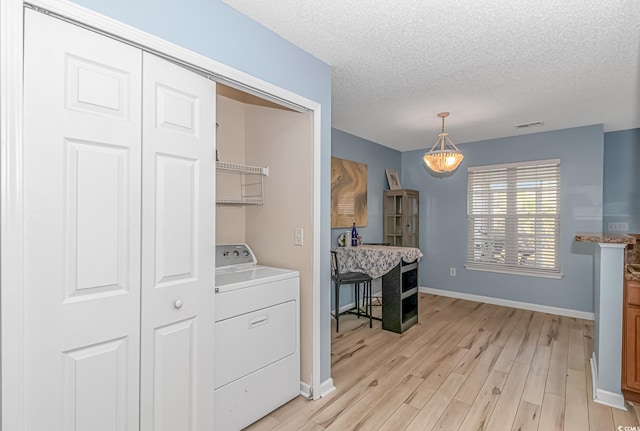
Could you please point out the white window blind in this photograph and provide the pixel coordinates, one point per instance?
(513, 215)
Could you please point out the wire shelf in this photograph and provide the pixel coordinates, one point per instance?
(242, 169)
(243, 184)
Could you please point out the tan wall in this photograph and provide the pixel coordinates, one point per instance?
(282, 140)
(260, 134)
(230, 220)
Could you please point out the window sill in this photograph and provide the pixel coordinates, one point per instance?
(556, 276)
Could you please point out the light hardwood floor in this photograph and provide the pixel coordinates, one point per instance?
(465, 366)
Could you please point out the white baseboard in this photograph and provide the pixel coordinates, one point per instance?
(305, 390)
(600, 396)
(594, 373)
(353, 304)
(509, 303)
(346, 307)
(610, 399)
(327, 387)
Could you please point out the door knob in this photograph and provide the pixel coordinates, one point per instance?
(177, 303)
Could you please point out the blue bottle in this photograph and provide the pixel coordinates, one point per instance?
(354, 236)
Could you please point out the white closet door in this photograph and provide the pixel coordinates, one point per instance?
(178, 245)
(82, 228)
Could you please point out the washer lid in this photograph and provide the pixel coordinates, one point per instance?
(229, 279)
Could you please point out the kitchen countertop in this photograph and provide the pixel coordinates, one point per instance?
(605, 237)
(632, 258)
(631, 276)
(631, 253)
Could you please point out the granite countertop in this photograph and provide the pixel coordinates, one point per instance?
(632, 260)
(605, 237)
(631, 276)
(631, 253)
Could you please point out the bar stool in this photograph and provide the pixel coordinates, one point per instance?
(354, 278)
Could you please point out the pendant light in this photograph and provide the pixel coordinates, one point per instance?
(440, 159)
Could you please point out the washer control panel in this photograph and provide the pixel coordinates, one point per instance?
(228, 255)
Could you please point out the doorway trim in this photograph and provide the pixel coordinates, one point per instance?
(11, 187)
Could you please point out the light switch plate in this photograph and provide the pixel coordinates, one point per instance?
(298, 236)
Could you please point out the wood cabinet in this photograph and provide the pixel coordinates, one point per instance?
(400, 297)
(401, 217)
(631, 341)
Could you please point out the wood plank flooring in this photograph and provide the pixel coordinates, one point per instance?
(465, 366)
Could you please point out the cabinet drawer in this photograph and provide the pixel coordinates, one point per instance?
(251, 341)
(633, 293)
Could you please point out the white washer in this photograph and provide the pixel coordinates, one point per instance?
(257, 340)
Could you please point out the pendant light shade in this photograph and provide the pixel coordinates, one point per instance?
(444, 156)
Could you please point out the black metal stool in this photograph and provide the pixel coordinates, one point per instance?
(354, 278)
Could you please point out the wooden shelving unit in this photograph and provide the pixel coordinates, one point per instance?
(400, 297)
(401, 217)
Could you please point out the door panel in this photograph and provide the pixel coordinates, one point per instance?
(176, 243)
(96, 387)
(175, 368)
(95, 212)
(177, 110)
(82, 150)
(178, 247)
(98, 88)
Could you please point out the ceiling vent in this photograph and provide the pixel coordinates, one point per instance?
(528, 125)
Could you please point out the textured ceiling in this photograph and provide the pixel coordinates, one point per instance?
(493, 64)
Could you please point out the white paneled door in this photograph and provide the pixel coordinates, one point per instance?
(82, 147)
(178, 251)
(118, 238)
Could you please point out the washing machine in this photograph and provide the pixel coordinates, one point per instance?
(257, 337)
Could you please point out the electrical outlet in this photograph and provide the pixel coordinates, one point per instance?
(620, 226)
(452, 272)
(298, 236)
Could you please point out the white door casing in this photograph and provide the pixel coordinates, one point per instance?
(178, 248)
(82, 228)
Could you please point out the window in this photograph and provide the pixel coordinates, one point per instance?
(513, 213)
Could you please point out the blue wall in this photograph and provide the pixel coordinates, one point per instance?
(377, 158)
(213, 29)
(443, 209)
(622, 178)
